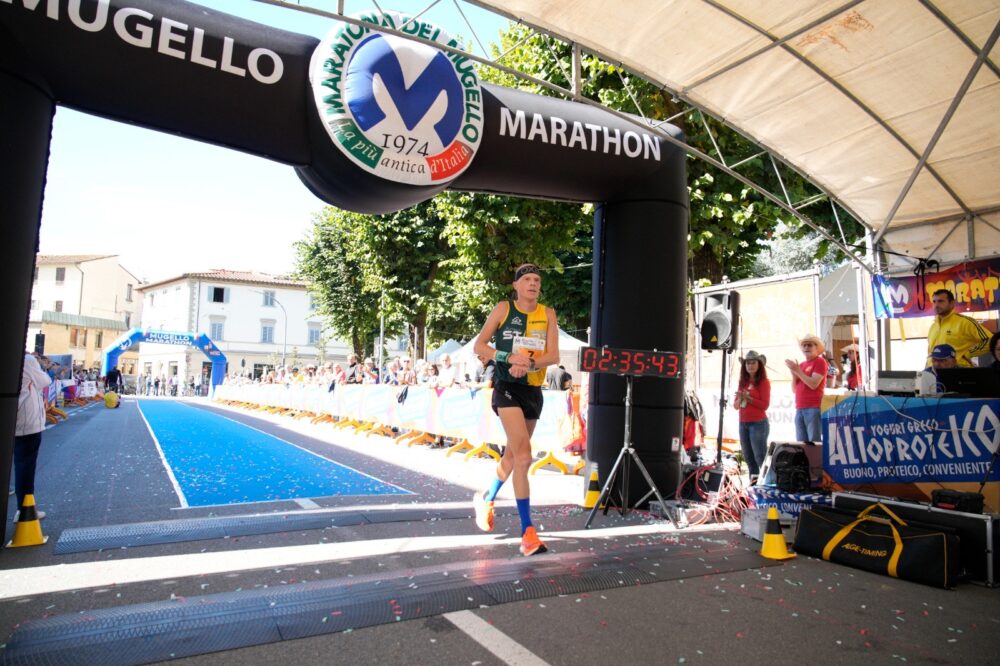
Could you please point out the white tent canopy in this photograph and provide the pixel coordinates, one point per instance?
(892, 107)
(838, 292)
(449, 347)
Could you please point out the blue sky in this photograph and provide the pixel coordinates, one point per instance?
(105, 179)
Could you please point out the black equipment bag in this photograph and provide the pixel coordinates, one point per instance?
(791, 470)
(880, 543)
(955, 500)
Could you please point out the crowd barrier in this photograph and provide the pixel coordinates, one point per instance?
(64, 392)
(461, 413)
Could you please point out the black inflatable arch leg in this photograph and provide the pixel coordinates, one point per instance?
(640, 259)
(25, 127)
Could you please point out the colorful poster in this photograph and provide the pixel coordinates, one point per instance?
(902, 440)
(976, 286)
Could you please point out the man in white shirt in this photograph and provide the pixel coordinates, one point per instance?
(447, 373)
(28, 427)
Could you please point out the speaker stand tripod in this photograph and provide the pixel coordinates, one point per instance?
(627, 450)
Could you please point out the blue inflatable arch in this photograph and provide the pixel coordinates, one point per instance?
(109, 358)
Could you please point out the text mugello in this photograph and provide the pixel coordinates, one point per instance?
(168, 37)
(168, 338)
(915, 448)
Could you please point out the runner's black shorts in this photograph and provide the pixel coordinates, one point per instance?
(527, 398)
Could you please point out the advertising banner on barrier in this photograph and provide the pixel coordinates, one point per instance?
(455, 412)
(904, 440)
(459, 413)
(975, 284)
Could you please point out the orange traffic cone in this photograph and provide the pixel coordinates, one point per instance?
(28, 531)
(593, 492)
(774, 547)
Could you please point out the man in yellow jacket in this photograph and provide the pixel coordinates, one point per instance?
(965, 334)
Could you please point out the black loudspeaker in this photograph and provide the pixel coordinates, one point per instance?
(720, 320)
(39, 343)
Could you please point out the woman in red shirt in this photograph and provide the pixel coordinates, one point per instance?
(753, 397)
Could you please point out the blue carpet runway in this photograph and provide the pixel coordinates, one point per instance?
(216, 461)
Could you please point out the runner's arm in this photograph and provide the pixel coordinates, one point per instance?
(482, 347)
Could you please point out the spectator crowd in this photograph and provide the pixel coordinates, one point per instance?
(397, 371)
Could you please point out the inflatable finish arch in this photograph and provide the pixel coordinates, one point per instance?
(371, 123)
(109, 358)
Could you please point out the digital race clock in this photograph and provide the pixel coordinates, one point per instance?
(630, 362)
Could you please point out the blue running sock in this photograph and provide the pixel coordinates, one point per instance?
(524, 511)
(491, 494)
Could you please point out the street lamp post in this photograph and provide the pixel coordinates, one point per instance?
(284, 336)
(381, 334)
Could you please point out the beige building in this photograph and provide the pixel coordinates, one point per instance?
(83, 337)
(258, 321)
(81, 303)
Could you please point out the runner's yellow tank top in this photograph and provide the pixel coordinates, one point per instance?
(522, 331)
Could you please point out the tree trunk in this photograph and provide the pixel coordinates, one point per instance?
(419, 333)
(705, 265)
(419, 322)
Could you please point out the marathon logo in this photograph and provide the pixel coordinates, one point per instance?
(402, 110)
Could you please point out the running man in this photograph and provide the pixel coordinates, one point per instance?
(527, 341)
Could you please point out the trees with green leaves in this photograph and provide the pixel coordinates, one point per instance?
(728, 219)
(364, 267)
(328, 260)
(491, 235)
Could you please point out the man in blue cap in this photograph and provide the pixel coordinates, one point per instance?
(943, 356)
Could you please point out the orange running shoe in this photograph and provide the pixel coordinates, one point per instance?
(484, 512)
(531, 544)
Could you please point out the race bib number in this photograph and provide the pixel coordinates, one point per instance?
(532, 346)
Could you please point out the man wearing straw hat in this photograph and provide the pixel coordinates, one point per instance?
(808, 383)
